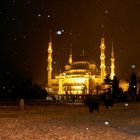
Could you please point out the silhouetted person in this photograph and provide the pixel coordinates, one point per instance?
(92, 102)
(108, 101)
(115, 88)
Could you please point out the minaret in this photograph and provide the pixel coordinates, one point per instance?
(70, 57)
(49, 68)
(102, 58)
(112, 67)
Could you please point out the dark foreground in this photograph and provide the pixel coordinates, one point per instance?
(70, 122)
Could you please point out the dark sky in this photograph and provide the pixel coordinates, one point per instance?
(25, 25)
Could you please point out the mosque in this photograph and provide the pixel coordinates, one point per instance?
(80, 77)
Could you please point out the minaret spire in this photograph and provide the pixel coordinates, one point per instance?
(102, 58)
(102, 30)
(50, 35)
(83, 52)
(70, 57)
(112, 67)
(49, 68)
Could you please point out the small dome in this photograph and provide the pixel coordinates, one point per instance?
(67, 67)
(92, 66)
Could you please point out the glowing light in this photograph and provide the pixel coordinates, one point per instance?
(133, 66)
(79, 80)
(39, 15)
(126, 104)
(106, 123)
(102, 58)
(77, 87)
(93, 76)
(59, 32)
(106, 11)
(87, 128)
(54, 62)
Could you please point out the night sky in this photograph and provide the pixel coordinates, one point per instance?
(76, 24)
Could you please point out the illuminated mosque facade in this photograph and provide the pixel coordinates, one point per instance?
(81, 76)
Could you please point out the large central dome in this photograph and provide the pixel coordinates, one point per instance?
(80, 65)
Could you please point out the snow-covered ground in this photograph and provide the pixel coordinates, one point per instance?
(70, 122)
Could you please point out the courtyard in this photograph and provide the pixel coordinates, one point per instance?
(70, 122)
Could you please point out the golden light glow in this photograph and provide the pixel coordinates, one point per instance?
(56, 77)
(79, 80)
(79, 77)
(93, 76)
